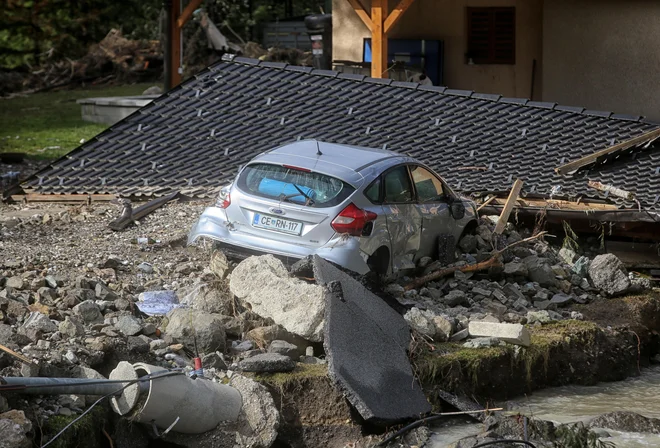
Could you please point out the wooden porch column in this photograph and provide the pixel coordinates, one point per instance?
(176, 19)
(379, 11)
(380, 22)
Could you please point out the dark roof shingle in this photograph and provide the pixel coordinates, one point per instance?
(194, 137)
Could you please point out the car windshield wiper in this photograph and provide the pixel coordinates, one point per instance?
(287, 198)
(310, 201)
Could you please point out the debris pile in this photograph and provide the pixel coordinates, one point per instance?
(75, 309)
(533, 284)
(115, 57)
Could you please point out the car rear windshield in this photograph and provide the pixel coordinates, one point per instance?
(290, 184)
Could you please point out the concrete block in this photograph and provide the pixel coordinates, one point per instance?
(511, 333)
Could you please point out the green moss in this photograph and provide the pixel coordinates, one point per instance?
(452, 362)
(31, 123)
(83, 433)
(300, 373)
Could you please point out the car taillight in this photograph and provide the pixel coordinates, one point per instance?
(224, 200)
(352, 220)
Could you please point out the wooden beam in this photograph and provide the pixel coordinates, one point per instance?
(35, 197)
(187, 12)
(510, 202)
(378, 38)
(142, 211)
(591, 158)
(175, 44)
(361, 12)
(396, 14)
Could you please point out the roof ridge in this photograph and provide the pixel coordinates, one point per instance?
(495, 98)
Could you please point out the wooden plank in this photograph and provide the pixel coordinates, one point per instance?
(558, 204)
(378, 39)
(36, 197)
(612, 190)
(396, 14)
(187, 12)
(488, 201)
(362, 13)
(142, 211)
(15, 355)
(508, 206)
(592, 158)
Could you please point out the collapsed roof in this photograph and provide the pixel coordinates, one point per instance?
(196, 136)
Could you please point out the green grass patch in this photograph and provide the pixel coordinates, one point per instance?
(48, 125)
(301, 372)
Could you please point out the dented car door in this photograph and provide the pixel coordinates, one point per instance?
(404, 222)
(432, 203)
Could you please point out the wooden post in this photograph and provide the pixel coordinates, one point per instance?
(379, 23)
(379, 12)
(174, 44)
(176, 19)
(508, 206)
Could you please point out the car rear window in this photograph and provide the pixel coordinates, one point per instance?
(289, 184)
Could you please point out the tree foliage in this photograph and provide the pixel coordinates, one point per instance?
(33, 31)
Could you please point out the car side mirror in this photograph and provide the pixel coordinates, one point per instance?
(457, 209)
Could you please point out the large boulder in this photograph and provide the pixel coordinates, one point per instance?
(265, 284)
(192, 327)
(608, 274)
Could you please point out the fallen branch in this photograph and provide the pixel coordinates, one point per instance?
(493, 261)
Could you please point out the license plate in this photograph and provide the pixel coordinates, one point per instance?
(279, 224)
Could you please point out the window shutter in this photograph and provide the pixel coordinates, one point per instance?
(492, 35)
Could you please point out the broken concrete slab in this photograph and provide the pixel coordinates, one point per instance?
(511, 333)
(365, 342)
(264, 283)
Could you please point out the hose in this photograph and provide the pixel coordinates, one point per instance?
(494, 442)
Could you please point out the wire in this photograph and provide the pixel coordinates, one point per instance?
(150, 377)
(4, 387)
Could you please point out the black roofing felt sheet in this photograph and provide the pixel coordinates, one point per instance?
(194, 137)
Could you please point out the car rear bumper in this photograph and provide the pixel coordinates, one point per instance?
(342, 250)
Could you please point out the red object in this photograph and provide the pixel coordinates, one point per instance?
(226, 202)
(352, 220)
(198, 363)
(297, 168)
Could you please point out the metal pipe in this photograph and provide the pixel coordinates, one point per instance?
(60, 386)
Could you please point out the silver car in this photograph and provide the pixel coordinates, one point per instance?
(361, 208)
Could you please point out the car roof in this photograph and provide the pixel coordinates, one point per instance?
(342, 161)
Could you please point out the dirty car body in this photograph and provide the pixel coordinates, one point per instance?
(361, 208)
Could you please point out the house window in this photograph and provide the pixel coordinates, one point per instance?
(491, 35)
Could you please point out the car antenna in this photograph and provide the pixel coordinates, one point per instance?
(318, 149)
